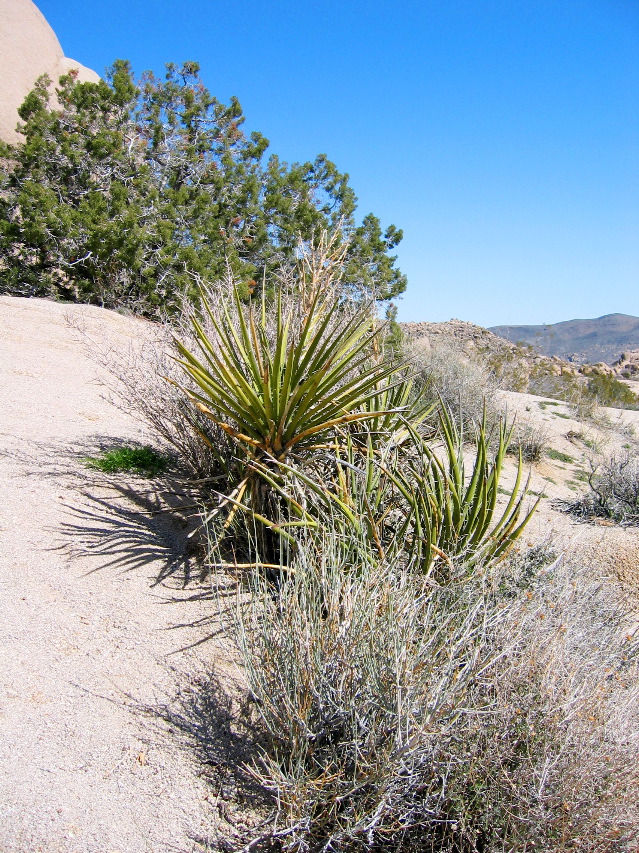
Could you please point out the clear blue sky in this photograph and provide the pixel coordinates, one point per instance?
(501, 135)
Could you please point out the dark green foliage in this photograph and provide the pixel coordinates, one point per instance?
(609, 391)
(599, 390)
(140, 460)
(394, 337)
(132, 192)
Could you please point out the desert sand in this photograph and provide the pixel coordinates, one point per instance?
(102, 629)
(114, 736)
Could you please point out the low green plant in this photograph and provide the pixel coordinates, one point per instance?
(139, 460)
(558, 456)
(608, 391)
(455, 511)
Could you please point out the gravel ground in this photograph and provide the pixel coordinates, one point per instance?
(102, 631)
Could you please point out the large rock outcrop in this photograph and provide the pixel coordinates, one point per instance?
(28, 48)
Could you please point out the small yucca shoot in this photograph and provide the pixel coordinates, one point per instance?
(455, 514)
(411, 498)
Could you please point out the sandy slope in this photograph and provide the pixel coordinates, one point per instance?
(101, 623)
(92, 646)
(612, 550)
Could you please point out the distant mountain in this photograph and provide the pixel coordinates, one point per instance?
(583, 341)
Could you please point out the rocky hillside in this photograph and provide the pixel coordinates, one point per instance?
(601, 340)
(518, 366)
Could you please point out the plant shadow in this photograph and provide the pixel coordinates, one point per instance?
(138, 525)
(213, 719)
(124, 520)
(130, 523)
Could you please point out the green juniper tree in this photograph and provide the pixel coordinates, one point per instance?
(130, 193)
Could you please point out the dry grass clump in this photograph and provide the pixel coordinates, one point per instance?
(530, 439)
(490, 714)
(464, 386)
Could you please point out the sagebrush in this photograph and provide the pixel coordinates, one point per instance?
(613, 490)
(491, 714)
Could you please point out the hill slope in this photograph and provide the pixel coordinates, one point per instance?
(99, 622)
(602, 339)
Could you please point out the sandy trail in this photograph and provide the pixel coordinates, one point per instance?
(99, 619)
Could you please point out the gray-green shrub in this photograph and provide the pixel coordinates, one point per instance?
(484, 715)
(613, 490)
(465, 387)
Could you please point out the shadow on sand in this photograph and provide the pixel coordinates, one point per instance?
(124, 520)
(214, 720)
(130, 523)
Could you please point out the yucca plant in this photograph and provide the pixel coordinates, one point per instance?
(276, 397)
(455, 514)
(323, 424)
(414, 496)
(281, 382)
